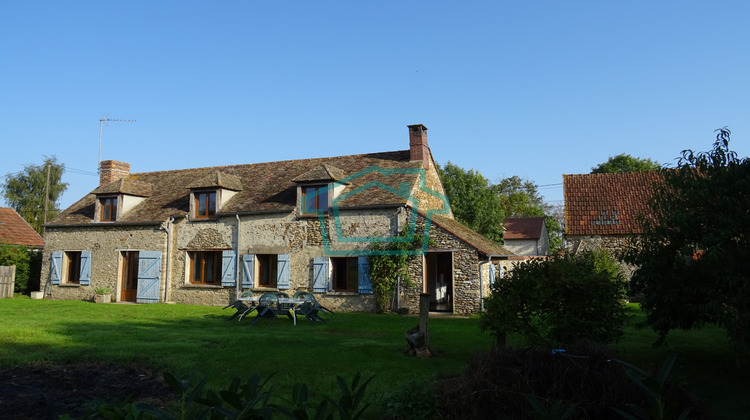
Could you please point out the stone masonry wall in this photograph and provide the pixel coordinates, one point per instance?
(466, 273)
(105, 244)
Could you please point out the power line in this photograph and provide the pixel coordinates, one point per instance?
(80, 171)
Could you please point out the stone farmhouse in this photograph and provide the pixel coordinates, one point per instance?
(202, 236)
(602, 210)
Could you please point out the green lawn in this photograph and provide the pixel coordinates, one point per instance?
(197, 340)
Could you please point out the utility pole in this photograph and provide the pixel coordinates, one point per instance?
(102, 120)
(46, 194)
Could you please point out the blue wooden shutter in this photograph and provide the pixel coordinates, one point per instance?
(85, 274)
(363, 268)
(149, 276)
(283, 276)
(55, 267)
(228, 267)
(320, 274)
(492, 274)
(248, 271)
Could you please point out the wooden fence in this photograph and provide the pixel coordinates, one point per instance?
(7, 280)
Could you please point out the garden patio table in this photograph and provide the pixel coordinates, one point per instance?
(286, 305)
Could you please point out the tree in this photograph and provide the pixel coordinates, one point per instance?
(558, 301)
(693, 259)
(483, 207)
(25, 191)
(473, 201)
(520, 198)
(625, 163)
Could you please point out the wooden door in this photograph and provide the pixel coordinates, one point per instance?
(129, 288)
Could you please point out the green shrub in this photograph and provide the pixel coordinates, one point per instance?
(559, 301)
(19, 256)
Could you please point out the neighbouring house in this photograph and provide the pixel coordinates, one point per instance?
(602, 210)
(526, 236)
(202, 236)
(15, 231)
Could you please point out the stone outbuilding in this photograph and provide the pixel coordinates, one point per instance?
(202, 236)
(602, 210)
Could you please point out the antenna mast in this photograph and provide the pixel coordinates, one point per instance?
(102, 120)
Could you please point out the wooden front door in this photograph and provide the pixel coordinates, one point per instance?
(129, 288)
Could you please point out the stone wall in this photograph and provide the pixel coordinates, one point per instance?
(259, 234)
(615, 244)
(466, 273)
(105, 244)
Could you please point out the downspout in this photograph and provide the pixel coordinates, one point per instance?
(238, 284)
(168, 229)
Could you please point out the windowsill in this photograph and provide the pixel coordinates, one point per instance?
(312, 215)
(334, 293)
(203, 286)
(204, 219)
(69, 285)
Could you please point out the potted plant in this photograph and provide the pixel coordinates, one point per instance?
(102, 295)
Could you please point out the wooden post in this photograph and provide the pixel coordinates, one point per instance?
(424, 317)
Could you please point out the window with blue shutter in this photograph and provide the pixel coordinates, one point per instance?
(320, 274)
(55, 268)
(363, 270)
(248, 271)
(149, 276)
(85, 277)
(283, 276)
(228, 268)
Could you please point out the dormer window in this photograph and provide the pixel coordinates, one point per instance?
(209, 195)
(204, 204)
(316, 188)
(314, 199)
(108, 206)
(115, 200)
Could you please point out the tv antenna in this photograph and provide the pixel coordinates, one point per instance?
(103, 120)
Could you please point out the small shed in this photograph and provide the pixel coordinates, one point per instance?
(526, 236)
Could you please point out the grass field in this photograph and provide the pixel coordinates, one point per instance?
(197, 340)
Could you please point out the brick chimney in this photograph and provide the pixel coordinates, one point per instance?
(418, 149)
(111, 171)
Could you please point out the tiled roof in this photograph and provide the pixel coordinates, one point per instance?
(266, 187)
(15, 231)
(607, 204)
(475, 240)
(218, 179)
(125, 186)
(321, 173)
(523, 227)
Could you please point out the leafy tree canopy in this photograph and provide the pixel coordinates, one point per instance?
(625, 163)
(694, 258)
(473, 201)
(24, 191)
(483, 206)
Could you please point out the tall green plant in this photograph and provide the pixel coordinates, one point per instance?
(559, 301)
(19, 256)
(388, 266)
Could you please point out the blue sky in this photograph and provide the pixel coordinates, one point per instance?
(536, 89)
